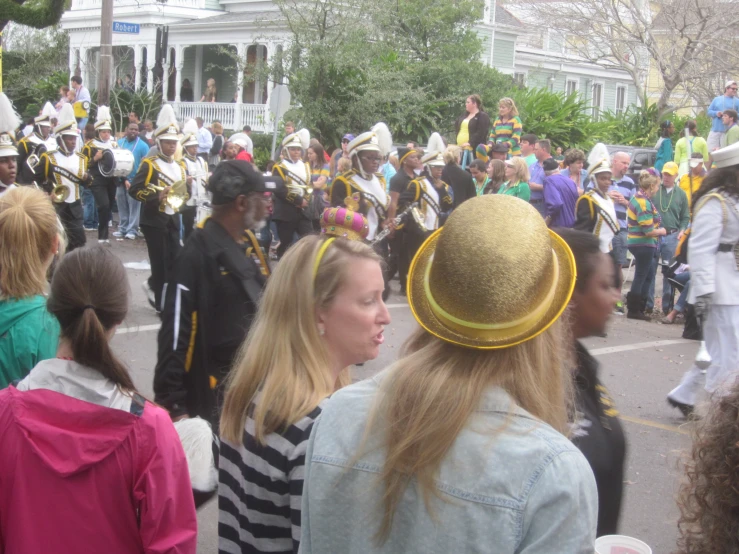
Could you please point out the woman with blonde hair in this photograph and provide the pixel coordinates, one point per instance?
(507, 128)
(211, 93)
(458, 445)
(29, 235)
(298, 352)
(517, 179)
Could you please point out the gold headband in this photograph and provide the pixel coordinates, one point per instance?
(411, 151)
(319, 256)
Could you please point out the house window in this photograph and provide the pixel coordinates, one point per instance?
(597, 100)
(519, 79)
(620, 99)
(572, 86)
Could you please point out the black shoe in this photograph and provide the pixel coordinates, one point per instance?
(686, 409)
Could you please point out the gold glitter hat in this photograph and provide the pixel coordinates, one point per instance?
(502, 286)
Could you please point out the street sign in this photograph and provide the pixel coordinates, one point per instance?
(279, 101)
(126, 28)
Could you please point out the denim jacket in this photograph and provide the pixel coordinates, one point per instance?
(509, 484)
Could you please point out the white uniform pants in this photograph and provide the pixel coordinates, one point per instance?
(721, 333)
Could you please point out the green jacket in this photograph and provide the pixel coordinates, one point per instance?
(28, 334)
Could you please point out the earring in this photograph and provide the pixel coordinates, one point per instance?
(321, 331)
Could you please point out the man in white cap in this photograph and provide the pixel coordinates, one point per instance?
(9, 122)
(160, 221)
(713, 256)
(31, 147)
(61, 172)
(727, 101)
(197, 208)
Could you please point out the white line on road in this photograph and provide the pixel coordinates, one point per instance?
(636, 346)
(124, 330)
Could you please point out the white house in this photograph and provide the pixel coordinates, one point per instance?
(220, 39)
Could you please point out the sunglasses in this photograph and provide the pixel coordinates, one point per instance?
(732, 88)
(344, 141)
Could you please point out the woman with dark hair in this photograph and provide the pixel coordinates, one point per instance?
(186, 92)
(321, 181)
(686, 146)
(496, 172)
(714, 279)
(596, 429)
(457, 178)
(87, 464)
(471, 128)
(664, 144)
(574, 162)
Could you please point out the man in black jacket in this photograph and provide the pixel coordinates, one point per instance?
(211, 297)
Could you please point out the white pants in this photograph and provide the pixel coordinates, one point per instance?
(721, 333)
(715, 140)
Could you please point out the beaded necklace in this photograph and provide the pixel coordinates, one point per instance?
(662, 208)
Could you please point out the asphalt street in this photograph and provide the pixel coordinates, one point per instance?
(640, 363)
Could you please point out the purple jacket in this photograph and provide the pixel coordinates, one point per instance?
(560, 197)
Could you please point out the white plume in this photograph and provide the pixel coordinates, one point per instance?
(598, 154)
(197, 442)
(166, 116)
(103, 114)
(304, 136)
(436, 143)
(384, 138)
(66, 114)
(9, 120)
(49, 110)
(190, 127)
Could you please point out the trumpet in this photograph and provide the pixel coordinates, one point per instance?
(60, 194)
(397, 221)
(176, 196)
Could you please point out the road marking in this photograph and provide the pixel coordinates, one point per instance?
(655, 424)
(124, 330)
(391, 306)
(636, 346)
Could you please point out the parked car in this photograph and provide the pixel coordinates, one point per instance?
(642, 157)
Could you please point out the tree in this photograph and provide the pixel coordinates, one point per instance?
(33, 13)
(686, 43)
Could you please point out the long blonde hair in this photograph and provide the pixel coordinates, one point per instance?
(284, 359)
(28, 226)
(522, 171)
(509, 103)
(431, 392)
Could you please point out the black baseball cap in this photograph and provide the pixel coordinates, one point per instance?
(231, 179)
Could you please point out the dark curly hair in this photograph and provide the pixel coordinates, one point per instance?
(709, 500)
(725, 179)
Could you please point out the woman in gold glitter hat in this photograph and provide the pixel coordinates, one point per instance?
(463, 434)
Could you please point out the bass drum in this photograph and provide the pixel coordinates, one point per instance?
(118, 162)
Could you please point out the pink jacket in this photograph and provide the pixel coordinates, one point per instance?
(78, 477)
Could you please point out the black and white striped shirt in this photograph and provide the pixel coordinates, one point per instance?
(260, 489)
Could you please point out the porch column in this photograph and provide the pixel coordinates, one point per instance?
(84, 66)
(165, 75)
(72, 61)
(240, 64)
(179, 64)
(150, 62)
(197, 84)
(137, 60)
(271, 47)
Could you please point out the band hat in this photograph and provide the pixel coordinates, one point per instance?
(434, 159)
(298, 139)
(602, 166)
(9, 122)
(670, 168)
(727, 156)
(102, 120)
(524, 280)
(167, 127)
(190, 132)
(378, 139)
(47, 113)
(67, 124)
(435, 151)
(347, 222)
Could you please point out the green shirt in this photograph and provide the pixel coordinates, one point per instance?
(531, 158)
(673, 207)
(519, 190)
(732, 135)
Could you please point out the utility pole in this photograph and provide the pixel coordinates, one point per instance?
(106, 53)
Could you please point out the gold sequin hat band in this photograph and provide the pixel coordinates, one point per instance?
(505, 284)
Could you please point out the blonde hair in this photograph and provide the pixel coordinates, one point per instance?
(647, 180)
(509, 103)
(432, 391)
(284, 359)
(451, 154)
(28, 225)
(343, 165)
(522, 174)
(217, 128)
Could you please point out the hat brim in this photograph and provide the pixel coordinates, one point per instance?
(423, 313)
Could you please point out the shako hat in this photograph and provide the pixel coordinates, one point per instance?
(378, 139)
(435, 151)
(167, 127)
(9, 122)
(190, 132)
(67, 124)
(727, 156)
(522, 281)
(47, 114)
(103, 120)
(345, 222)
(298, 139)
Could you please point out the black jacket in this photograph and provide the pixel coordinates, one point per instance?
(209, 306)
(598, 434)
(461, 182)
(479, 128)
(152, 210)
(287, 204)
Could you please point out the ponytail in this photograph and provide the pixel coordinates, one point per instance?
(89, 297)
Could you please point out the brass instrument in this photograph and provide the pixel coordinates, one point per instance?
(176, 196)
(702, 358)
(397, 221)
(60, 194)
(418, 218)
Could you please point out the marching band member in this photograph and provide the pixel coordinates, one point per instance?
(61, 172)
(197, 208)
(433, 197)
(211, 297)
(291, 200)
(160, 185)
(594, 211)
(713, 257)
(366, 152)
(9, 122)
(103, 188)
(31, 147)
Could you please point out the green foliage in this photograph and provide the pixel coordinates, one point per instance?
(145, 104)
(636, 126)
(33, 13)
(262, 146)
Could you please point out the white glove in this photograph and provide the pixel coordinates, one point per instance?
(702, 304)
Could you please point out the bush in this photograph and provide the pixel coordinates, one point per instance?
(145, 104)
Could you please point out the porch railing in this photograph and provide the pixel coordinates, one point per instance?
(231, 116)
